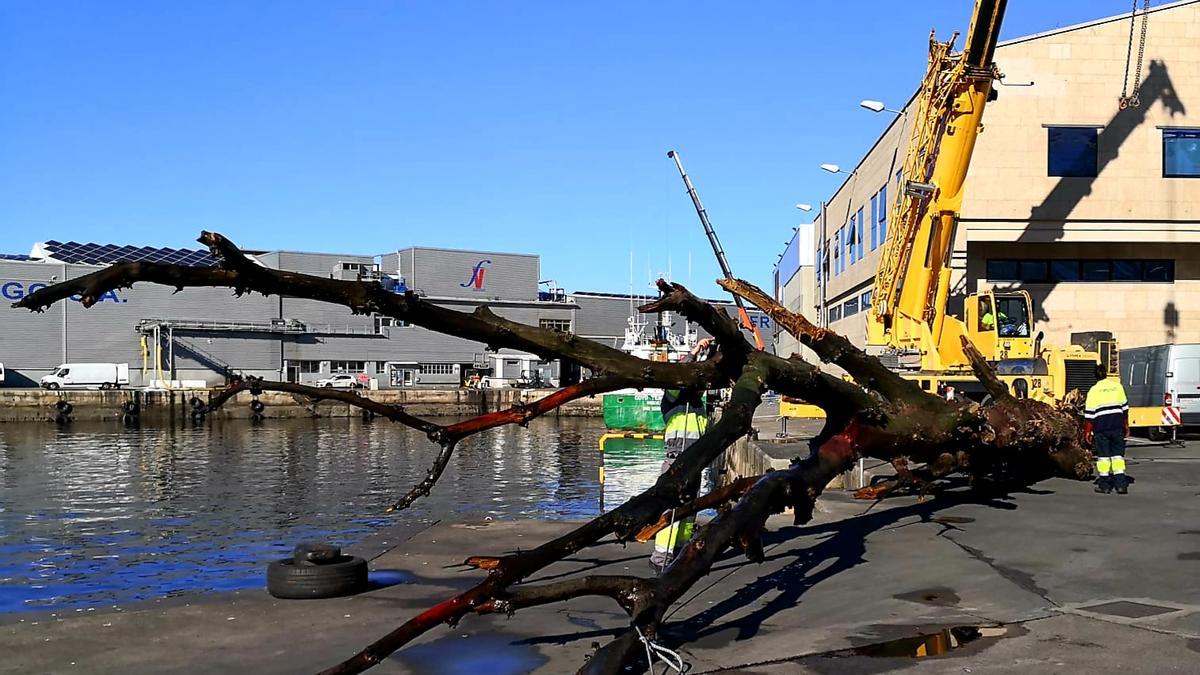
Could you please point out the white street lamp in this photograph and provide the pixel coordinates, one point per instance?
(878, 107)
(804, 207)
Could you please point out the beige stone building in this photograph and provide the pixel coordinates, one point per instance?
(1093, 209)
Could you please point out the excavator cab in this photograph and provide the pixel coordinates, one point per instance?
(1000, 324)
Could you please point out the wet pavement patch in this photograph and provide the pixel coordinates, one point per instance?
(935, 643)
(1190, 555)
(1129, 610)
(455, 655)
(942, 597)
(953, 520)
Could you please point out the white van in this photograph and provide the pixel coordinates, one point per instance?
(1164, 376)
(87, 376)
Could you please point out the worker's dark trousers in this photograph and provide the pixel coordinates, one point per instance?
(1109, 449)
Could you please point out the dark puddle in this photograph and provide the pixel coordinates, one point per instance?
(925, 645)
(1191, 555)
(942, 597)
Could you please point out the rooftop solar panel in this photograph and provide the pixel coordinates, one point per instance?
(72, 252)
(14, 256)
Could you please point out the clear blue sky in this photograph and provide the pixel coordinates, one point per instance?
(368, 126)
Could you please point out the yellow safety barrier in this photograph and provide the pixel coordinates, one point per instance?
(636, 435)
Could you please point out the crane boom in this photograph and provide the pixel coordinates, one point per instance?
(743, 315)
(912, 279)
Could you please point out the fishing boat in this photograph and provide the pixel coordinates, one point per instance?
(639, 410)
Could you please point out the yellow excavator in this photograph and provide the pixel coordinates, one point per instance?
(908, 316)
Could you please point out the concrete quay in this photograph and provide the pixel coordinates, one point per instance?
(1061, 580)
(37, 405)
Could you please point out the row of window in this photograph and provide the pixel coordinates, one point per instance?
(437, 368)
(848, 243)
(1074, 152)
(561, 325)
(1089, 270)
(311, 367)
(859, 303)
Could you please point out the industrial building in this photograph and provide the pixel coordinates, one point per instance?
(1091, 207)
(207, 334)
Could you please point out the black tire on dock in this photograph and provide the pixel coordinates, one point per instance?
(64, 407)
(196, 403)
(257, 406)
(286, 579)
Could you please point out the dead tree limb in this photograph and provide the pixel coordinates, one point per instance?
(881, 415)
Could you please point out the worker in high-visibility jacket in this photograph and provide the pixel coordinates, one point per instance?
(1106, 424)
(686, 421)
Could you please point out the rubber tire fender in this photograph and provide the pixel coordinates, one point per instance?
(257, 406)
(196, 403)
(64, 407)
(287, 580)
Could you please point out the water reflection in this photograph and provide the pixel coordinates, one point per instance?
(95, 514)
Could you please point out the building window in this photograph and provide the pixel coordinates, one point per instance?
(883, 214)
(835, 313)
(1181, 153)
(874, 222)
(347, 366)
(1072, 151)
(306, 367)
(861, 226)
(850, 231)
(436, 368)
(838, 258)
(850, 307)
(380, 367)
(864, 300)
(1056, 271)
(561, 325)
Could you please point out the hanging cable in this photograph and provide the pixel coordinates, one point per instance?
(1135, 100)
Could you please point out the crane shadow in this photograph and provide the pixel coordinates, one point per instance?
(1056, 208)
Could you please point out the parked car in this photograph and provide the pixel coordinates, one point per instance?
(341, 381)
(87, 376)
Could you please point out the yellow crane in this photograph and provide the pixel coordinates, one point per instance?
(912, 282)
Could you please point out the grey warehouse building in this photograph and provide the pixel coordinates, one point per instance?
(206, 334)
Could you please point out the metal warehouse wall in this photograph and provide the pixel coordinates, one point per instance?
(446, 273)
(34, 343)
(316, 264)
(408, 344)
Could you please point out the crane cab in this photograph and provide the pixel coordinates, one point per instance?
(1000, 324)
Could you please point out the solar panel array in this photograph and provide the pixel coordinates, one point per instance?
(75, 253)
(14, 256)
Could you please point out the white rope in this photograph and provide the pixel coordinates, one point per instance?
(672, 658)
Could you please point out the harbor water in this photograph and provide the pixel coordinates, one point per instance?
(93, 514)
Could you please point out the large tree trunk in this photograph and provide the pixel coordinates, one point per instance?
(881, 415)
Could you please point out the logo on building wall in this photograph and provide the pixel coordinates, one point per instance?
(15, 291)
(476, 280)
